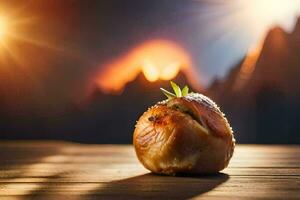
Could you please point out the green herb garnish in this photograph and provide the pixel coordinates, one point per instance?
(185, 91)
(177, 90)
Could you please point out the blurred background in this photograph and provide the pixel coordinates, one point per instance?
(86, 70)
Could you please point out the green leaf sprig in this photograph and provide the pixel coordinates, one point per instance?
(178, 92)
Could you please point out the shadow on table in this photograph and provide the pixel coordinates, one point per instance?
(151, 186)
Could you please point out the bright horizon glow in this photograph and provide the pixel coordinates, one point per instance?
(157, 59)
(154, 71)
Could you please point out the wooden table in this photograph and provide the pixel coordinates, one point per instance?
(61, 170)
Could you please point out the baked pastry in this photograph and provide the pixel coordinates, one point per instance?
(187, 133)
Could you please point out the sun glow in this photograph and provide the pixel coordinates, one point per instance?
(271, 12)
(259, 16)
(156, 59)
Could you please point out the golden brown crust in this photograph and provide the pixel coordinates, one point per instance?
(202, 107)
(170, 141)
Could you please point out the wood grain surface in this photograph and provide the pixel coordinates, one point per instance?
(62, 170)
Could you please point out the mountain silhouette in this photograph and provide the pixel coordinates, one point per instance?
(264, 106)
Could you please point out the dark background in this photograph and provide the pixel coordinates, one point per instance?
(54, 49)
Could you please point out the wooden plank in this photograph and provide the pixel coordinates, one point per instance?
(60, 170)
